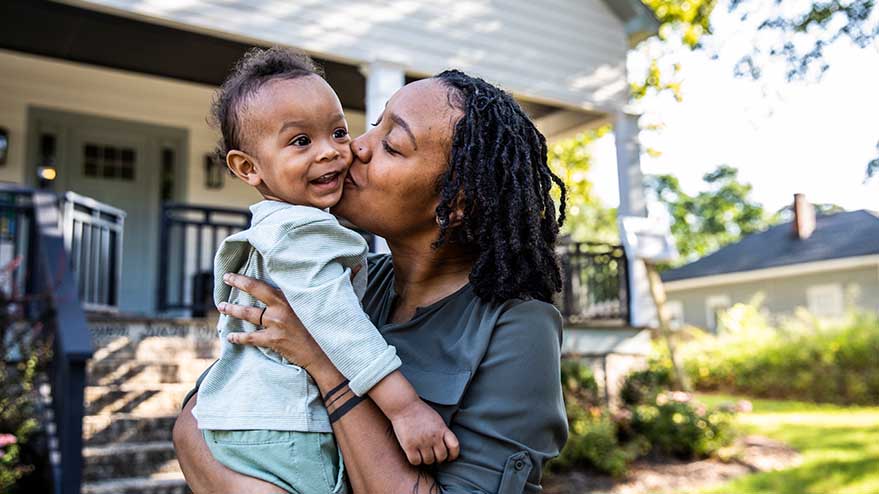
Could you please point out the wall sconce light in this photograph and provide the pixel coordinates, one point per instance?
(4, 145)
(213, 172)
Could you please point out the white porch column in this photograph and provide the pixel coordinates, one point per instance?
(383, 79)
(642, 311)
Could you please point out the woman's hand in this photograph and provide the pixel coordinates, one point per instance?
(281, 329)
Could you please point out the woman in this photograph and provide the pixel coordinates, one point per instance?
(454, 176)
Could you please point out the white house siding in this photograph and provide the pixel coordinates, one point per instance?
(560, 51)
(783, 295)
(27, 80)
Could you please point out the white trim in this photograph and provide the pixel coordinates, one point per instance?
(712, 303)
(776, 272)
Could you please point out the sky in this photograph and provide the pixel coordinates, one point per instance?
(812, 137)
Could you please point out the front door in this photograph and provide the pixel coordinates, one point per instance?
(119, 163)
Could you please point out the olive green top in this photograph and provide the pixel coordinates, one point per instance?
(491, 371)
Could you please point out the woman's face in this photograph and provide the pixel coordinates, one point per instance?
(391, 185)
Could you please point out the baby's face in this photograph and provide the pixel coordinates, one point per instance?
(300, 141)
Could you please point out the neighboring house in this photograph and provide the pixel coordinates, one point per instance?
(826, 264)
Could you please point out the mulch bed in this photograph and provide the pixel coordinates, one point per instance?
(653, 476)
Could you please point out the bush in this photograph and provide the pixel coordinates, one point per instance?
(23, 355)
(651, 419)
(802, 360)
(678, 426)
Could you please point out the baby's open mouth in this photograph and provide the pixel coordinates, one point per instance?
(326, 178)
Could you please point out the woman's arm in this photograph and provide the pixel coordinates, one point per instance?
(373, 458)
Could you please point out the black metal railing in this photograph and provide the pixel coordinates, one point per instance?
(93, 237)
(596, 285)
(189, 236)
(31, 238)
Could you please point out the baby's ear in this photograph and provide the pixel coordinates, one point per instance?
(243, 166)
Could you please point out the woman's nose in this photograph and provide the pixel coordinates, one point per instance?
(360, 149)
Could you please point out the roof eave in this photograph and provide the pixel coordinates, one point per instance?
(638, 20)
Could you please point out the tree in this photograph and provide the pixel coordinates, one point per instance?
(707, 221)
(587, 218)
(803, 31)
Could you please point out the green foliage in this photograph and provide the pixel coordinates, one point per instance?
(715, 217)
(652, 419)
(645, 385)
(805, 359)
(22, 356)
(675, 425)
(587, 219)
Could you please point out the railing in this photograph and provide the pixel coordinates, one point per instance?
(189, 236)
(48, 291)
(93, 237)
(596, 287)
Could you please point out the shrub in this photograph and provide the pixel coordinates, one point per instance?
(803, 359)
(23, 355)
(645, 385)
(592, 443)
(678, 426)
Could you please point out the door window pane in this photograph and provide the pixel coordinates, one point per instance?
(108, 162)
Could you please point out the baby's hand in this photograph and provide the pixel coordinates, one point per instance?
(424, 436)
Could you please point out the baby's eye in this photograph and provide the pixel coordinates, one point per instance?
(340, 133)
(301, 140)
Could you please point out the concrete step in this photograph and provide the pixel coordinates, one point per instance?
(136, 399)
(100, 430)
(112, 371)
(102, 463)
(154, 340)
(167, 483)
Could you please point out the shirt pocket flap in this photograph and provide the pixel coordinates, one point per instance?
(443, 387)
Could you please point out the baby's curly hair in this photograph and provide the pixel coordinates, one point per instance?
(256, 68)
(498, 171)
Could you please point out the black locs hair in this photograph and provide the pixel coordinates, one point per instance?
(257, 67)
(498, 172)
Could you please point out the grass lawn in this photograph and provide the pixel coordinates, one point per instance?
(840, 447)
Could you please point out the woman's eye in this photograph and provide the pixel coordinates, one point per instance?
(340, 133)
(300, 141)
(388, 148)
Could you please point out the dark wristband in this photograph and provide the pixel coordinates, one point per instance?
(345, 408)
(335, 390)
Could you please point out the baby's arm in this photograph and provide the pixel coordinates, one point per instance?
(305, 261)
(421, 432)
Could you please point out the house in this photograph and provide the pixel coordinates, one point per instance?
(826, 264)
(105, 102)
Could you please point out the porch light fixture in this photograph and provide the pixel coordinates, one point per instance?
(4, 145)
(47, 173)
(213, 172)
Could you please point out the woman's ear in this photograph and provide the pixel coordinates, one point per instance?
(244, 167)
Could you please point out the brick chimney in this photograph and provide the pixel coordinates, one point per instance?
(804, 217)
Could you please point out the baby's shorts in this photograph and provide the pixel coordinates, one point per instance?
(297, 462)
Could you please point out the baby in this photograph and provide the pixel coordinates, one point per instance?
(284, 134)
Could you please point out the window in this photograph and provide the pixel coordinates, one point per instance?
(825, 300)
(675, 310)
(714, 306)
(109, 162)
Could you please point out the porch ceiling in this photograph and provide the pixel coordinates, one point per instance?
(82, 35)
(87, 36)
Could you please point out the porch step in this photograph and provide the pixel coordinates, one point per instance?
(101, 430)
(136, 399)
(114, 371)
(128, 460)
(164, 483)
(154, 340)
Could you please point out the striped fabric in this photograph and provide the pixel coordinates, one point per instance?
(309, 255)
